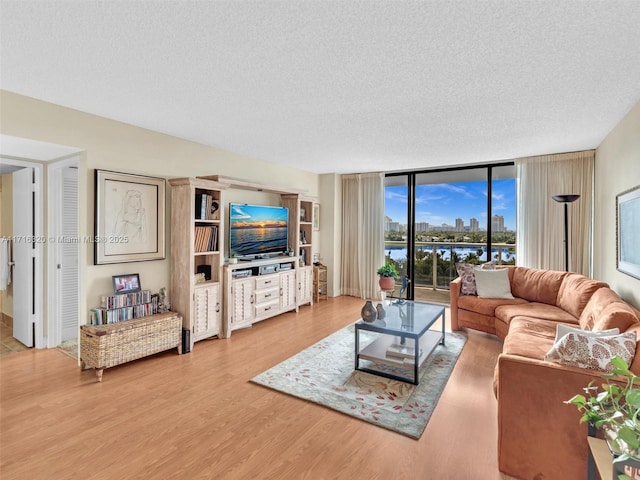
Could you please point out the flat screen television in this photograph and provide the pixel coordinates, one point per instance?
(256, 230)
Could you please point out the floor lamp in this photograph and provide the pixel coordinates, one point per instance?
(566, 199)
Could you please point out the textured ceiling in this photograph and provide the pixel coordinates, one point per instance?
(337, 86)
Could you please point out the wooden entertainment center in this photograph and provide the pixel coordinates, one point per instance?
(233, 295)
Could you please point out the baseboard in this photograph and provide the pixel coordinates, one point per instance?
(7, 319)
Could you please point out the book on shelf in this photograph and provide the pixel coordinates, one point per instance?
(206, 238)
(204, 207)
(401, 351)
(117, 308)
(125, 299)
(201, 206)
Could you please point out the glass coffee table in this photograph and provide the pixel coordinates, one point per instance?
(405, 340)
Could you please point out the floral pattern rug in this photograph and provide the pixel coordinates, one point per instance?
(324, 374)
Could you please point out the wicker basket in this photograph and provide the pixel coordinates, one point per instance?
(104, 346)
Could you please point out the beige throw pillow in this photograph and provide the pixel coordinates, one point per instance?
(493, 283)
(467, 277)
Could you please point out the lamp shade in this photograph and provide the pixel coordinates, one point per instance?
(566, 198)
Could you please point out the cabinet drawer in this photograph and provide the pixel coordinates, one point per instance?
(268, 308)
(267, 281)
(267, 295)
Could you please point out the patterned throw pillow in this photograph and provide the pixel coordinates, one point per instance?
(465, 272)
(594, 353)
(562, 329)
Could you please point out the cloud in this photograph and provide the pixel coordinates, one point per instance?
(393, 196)
(238, 213)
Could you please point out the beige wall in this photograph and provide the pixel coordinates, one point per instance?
(112, 145)
(617, 169)
(6, 230)
(331, 229)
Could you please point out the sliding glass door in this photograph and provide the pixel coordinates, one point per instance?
(396, 223)
(435, 219)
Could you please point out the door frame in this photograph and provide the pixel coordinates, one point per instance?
(54, 219)
(38, 217)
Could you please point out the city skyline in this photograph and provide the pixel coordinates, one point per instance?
(438, 204)
(497, 225)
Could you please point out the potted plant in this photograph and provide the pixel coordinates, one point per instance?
(388, 275)
(232, 258)
(614, 408)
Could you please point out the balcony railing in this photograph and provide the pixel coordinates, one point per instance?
(437, 271)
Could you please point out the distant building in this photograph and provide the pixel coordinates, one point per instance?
(459, 225)
(497, 224)
(474, 225)
(387, 222)
(422, 227)
(394, 227)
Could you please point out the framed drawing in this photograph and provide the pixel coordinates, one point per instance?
(316, 216)
(627, 231)
(129, 218)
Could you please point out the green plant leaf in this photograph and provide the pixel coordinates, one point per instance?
(629, 437)
(632, 398)
(578, 400)
(620, 365)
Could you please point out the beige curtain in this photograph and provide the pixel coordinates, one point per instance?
(362, 234)
(540, 232)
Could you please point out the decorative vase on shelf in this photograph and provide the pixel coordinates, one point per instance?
(369, 312)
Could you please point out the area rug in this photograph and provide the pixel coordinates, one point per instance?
(324, 374)
(70, 347)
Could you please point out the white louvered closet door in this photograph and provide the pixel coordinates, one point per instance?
(69, 252)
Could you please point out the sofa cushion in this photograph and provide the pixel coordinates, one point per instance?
(535, 310)
(493, 284)
(485, 306)
(595, 353)
(635, 365)
(615, 315)
(605, 309)
(530, 337)
(477, 321)
(536, 285)
(575, 292)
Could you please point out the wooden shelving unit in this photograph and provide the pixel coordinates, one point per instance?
(197, 246)
(319, 283)
(301, 237)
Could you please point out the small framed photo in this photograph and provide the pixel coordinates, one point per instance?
(126, 283)
(303, 215)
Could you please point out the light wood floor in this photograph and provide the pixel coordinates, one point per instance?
(8, 344)
(198, 416)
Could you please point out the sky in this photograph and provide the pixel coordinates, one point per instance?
(443, 203)
(257, 215)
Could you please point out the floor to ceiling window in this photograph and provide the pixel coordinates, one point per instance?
(396, 222)
(435, 219)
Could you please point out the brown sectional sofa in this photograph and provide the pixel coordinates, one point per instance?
(539, 436)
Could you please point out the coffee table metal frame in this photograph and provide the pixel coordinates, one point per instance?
(424, 341)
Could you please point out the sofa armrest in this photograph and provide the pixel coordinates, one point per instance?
(454, 293)
(539, 436)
